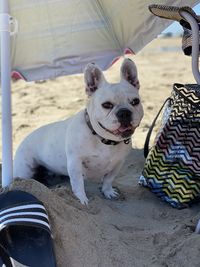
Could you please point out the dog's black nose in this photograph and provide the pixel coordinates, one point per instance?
(124, 115)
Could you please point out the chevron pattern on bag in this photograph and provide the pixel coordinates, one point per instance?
(172, 168)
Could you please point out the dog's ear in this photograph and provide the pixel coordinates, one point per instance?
(129, 72)
(93, 78)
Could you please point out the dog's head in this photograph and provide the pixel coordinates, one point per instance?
(114, 110)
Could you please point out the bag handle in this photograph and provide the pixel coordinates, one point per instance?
(146, 144)
(195, 44)
(188, 15)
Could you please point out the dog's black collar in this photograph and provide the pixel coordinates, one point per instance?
(103, 140)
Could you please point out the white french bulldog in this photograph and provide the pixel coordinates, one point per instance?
(94, 142)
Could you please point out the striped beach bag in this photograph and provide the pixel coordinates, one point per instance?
(172, 166)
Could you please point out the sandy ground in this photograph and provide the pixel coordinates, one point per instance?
(138, 230)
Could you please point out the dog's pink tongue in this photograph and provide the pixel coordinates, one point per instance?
(122, 129)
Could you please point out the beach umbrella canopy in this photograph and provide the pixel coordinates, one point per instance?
(59, 37)
(46, 39)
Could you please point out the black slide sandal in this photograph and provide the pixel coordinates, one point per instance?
(25, 234)
(4, 258)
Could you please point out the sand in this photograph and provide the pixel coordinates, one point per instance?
(138, 230)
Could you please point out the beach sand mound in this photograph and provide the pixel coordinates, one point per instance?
(136, 230)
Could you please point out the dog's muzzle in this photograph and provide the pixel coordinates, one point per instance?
(124, 116)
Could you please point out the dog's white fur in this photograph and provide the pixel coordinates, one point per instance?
(70, 148)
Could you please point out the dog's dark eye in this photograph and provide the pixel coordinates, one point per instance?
(135, 102)
(107, 105)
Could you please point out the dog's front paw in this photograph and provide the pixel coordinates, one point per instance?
(110, 193)
(83, 198)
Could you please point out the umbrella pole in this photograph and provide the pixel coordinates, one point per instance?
(7, 169)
